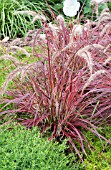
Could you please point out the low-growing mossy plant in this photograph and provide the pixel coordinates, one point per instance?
(69, 88)
(23, 149)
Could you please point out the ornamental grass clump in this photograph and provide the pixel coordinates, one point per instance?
(68, 90)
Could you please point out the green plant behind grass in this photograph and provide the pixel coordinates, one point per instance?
(11, 25)
(17, 25)
(5, 63)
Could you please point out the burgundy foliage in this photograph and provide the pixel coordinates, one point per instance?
(69, 88)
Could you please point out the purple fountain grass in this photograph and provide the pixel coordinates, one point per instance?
(69, 88)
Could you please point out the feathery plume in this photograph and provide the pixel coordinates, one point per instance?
(10, 57)
(92, 77)
(20, 49)
(32, 13)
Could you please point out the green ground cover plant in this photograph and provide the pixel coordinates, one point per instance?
(23, 149)
(101, 157)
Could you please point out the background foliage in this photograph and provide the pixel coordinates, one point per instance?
(17, 25)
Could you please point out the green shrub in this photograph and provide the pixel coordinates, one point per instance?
(88, 9)
(22, 149)
(109, 6)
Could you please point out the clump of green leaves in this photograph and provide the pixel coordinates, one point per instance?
(89, 8)
(109, 6)
(22, 149)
